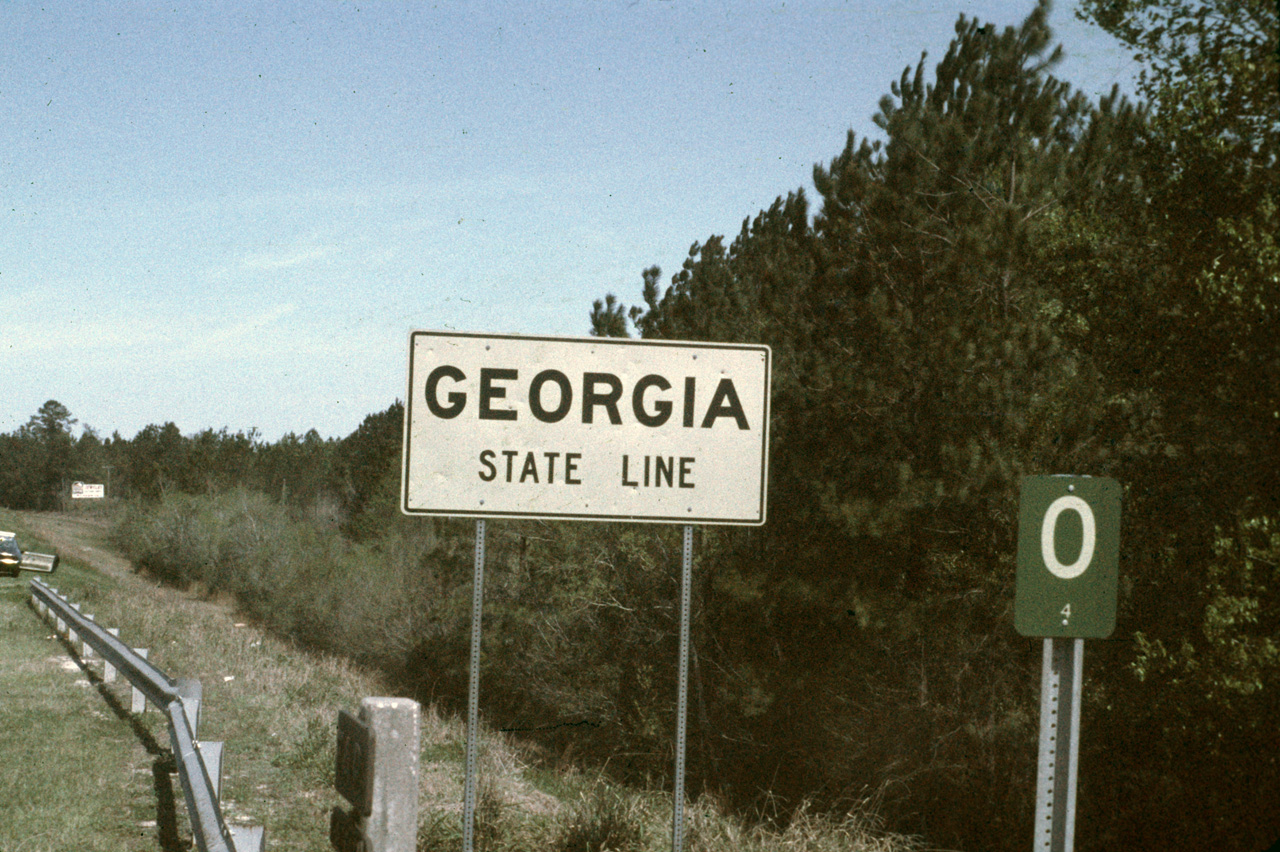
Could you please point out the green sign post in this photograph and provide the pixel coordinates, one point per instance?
(1068, 554)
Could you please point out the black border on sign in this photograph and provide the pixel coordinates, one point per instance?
(572, 516)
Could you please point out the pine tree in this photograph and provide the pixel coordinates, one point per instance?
(921, 366)
(1178, 287)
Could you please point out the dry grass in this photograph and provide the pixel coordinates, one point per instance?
(275, 705)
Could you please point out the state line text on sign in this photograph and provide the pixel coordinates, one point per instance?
(586, 428)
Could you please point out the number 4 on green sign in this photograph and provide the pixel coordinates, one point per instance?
(1068, 550)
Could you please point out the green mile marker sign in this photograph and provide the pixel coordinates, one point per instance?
(1068, 553)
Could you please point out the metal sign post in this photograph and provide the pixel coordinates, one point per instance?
(473, 697)
(682, 691)
(603, 429)
(1068, 552)
(1060, 690)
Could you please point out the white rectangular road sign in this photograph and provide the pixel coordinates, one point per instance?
(586, 429)
(85, 490)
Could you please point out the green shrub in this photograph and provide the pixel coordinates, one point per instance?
(579, 651)
(304, 581)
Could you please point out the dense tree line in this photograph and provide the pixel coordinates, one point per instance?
(1015, 280)
(327, 479)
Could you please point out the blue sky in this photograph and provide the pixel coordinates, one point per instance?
(232, 215)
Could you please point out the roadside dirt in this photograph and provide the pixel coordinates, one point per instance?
(81, 536)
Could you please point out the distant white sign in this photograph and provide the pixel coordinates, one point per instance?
(83, 490)
(586, 429)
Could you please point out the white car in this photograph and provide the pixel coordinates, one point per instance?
(13, 560)
(10, 555)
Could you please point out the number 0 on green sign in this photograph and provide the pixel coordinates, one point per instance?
(1068, 550)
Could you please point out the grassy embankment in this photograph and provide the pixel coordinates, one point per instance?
(56, 793)
(81, 773)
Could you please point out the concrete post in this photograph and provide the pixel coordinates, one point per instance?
(247, 838)
(393, 824)
(211, 754)
(85, 649)
(192, 693)
(108, 670)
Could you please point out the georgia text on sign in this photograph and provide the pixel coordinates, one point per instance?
(586, 428)
(598, 391)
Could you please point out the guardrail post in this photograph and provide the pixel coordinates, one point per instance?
(211, 754)
(108, 670)
(191, 693)
(84, 649)
(247, 838)
(51, 616)
(138, 702)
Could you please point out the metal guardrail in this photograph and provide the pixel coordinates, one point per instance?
(180, 702)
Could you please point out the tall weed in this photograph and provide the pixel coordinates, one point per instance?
(303, 581)
(578, 632)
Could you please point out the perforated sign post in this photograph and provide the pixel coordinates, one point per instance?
(1068, 555)
(603, 429)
